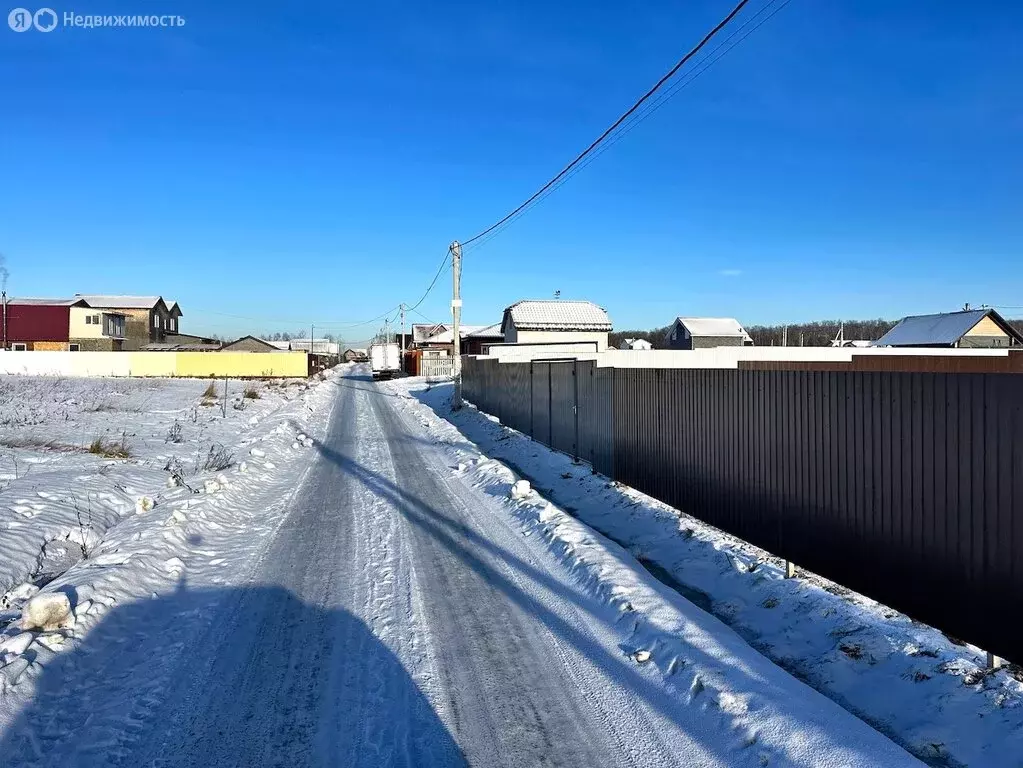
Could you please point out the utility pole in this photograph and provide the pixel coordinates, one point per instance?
(456, 316)
(402, 358)
(312, 334)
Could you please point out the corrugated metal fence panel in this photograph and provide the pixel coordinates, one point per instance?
(470, 379)
(541, 402)
(563, 407)
(602, 420)
(491, 396)
(516, 396)
(584, 415)
(904, 486)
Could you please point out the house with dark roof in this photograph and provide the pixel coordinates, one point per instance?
(975, 328)
(148, 319)
(706, 333)
(553, 321)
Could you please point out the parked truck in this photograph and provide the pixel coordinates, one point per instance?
(385, 360)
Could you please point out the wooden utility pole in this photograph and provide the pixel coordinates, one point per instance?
(456, 317)
(402, 358)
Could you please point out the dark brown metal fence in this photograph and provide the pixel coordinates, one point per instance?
(907, 487)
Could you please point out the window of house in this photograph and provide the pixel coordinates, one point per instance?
(74, 347)
(173, 323)
(156, 321)
(95, 319)
(19, 347)
(88, 319)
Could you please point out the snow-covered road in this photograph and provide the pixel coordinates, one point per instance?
(402, 615)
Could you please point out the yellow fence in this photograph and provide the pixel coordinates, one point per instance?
(184, 364)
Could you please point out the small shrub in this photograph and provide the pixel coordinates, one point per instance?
(174, 433)
(211, 392)
(111, 450)
(251, 393)
(176, 469)
(218, 458)
(851, 650)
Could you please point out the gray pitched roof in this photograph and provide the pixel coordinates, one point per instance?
(120, 302)
(939, 330)
(556, 315)
(468, 331)
(487, 332)
(423, 331)
(43, 302)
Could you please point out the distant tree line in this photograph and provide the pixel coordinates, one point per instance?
(818, 333)
(655, 337)
(285, 336)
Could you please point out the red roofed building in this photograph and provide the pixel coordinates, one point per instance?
(38, 324)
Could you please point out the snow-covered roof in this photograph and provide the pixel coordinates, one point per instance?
(638, 344)
(43, 302)
(556, 315)
(488, 332)
(285, 345)
(464, 331)
(164, 347)
(714, 326)
(120, 302)
(423, 331)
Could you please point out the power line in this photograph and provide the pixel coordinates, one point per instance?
(432, 322)
(708, 61)
(433, 282)
(671, 73)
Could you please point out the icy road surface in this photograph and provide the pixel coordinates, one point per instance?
(402, 616)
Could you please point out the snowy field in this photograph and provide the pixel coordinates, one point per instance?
(925, 691)
(111, 489)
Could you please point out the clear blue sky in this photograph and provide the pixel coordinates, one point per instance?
(312, 161)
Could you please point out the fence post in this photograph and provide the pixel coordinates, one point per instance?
(994, 662)
(790, 569)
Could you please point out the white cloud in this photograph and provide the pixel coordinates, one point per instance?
(729, 272)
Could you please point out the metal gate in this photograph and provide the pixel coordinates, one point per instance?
(564, 407)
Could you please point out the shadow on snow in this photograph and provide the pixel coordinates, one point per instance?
(273, 681)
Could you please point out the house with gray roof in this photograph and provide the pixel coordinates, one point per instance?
(975, 328)
(705, 333)
(148, 319)
(554, 321)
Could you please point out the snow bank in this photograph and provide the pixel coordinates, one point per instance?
(56, 497)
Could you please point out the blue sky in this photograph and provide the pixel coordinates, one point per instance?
(293, 164)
